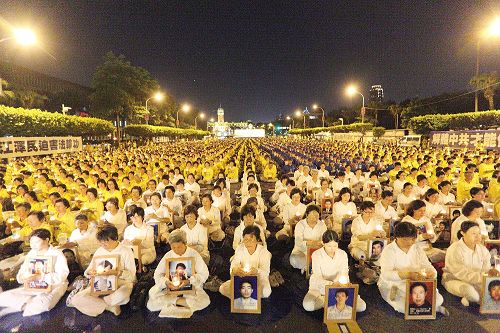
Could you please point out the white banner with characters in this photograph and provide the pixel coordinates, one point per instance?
(488, 139)
(30, 146)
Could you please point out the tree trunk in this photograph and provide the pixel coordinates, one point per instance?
(491, 102)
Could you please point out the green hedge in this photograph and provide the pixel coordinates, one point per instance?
(354, 127)
(148, 131)
(378, 131)
(34, 122)
(458, 121)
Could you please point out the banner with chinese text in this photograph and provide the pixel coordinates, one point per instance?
(489, 139)
(30, 146)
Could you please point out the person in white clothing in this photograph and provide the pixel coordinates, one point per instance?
(445, 196)
(398, 184)
(140, 234)
(340, 182)
(279, 187)
(84, 236)
(174, 206)
(36, 302)
(433, 209)
(471, 211)
(209, 217)
(383, 208)
(248, 215)
(196, 234)
(466, 262)
(158, 216)
(308, 232)
(324, 191)
(259, 214)
(291, 215)
(250, 258)
(415, 214)
(173, 305)
(364, 227)
(93, 306)
(135, 199)
(115, 216)
(192, 186)
(404, 198)
(329, 266)
(402, 260)
(421, 187)
(223, 203)
(322, 172)
(343, 209)
(252, 193)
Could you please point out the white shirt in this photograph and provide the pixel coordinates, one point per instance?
(139, 203)
(145, 233)
(283, 200)
(419, 191)
(197, 238)
(466, 265)
(398, 186)
(431, 210)
(404, 200)
(360, 228)
(213, 214)
(457, 224)
(87, 244)
(60, 270)
(393, 259)
(326, 270)
(174, 204)
(194, 188)
(313, 185)
(424, 225)
(238, 235)
(446, 199)
(260, 202)
(383, 213)
(323, 173)
(339, 210)
(126, 263)
(337, 184)
(222, 203)
(304, 233)
(260, 259)
(291, 210)
(161, 275)
(354, 181)
(119, 220)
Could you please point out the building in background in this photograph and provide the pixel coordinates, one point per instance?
(376, 94)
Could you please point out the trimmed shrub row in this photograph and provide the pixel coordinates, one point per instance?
(354, 127)
(458, 121)
(148, 131)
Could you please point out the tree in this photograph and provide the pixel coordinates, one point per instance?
(396, 111)
(7, 96)
(489, 84)
(30, 99)
(118, 86)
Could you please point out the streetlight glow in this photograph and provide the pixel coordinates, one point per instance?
(298, 113)
(202, 116)
(186, 107)
(351, 91)
(158, 96)
(315, 106)
(494, 29)
(25, 36)
(288, 118)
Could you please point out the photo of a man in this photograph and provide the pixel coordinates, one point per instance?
(246, 290)
(340, 309)
(491, 298)
(376, 248)
(419, 305)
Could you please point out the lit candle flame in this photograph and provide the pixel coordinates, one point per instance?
(100, 269)
(246, 268)
(343, 279)
(349, 212)
(176, 281)
(379, 227)
(297, 214)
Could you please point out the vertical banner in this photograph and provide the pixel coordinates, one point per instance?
(31, 146)
(489, 139)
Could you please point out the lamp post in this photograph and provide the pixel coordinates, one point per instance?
(293, 120)
(351, 91)
(158, 97)
(201, 115)
(185, 109)
(23, 36)
(494, 31)
(211, 121)
(316, 106)
(298, 113)
(342, 120)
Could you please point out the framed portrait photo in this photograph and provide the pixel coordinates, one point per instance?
(104, 284)
(453, 211)
(493, 227)
(346, 229)
(340, 303)
(40, 265)
(490, 294)
(420, 300)
(375, 247)
(326, 207)
(245, 294)
(493, 247)
(179, 271)
(309, 252)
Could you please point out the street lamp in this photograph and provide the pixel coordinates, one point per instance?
(492, 31)
(351, 91)
(315, 106)
(342, 120)
(292, 119)
(23, 36)
(157, 97)
(298, 113)
(185, 108)
(201, 115)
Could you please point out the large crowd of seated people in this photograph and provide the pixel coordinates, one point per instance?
(235, 206)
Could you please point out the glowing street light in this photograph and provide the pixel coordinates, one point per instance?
(351, 91)
(25, 36)
(201, 115)
(316, 106)
(492, 31)
(293, 121)
(298, 113)
(185, 108)
(158, 96)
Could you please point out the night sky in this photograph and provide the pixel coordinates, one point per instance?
(262, 58)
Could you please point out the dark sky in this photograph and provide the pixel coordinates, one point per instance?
(262, 58)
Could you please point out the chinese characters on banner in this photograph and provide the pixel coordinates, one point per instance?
(30, 146)
(467, 139)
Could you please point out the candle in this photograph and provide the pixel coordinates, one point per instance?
(176, 281)
(489, 210)
(423, 273)
(203, 217)
(52, 218)
(379, 227)
(10, 220)
(100, 270)
(297, 214)
(484, 233)
(349, 212)
(343, 279)
(442, 212)
(246, 268)
(430, 232)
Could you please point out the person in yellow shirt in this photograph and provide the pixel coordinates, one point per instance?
(270, 172)
(35, 220)
(63, 219)
(232, 172)
(412, 177)
(207, 174)
(465, 184)
(394, 172)
(114, 192)
(494, 187)
(486, 168)
(63, 191)
(94, 207)
(31, 198)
